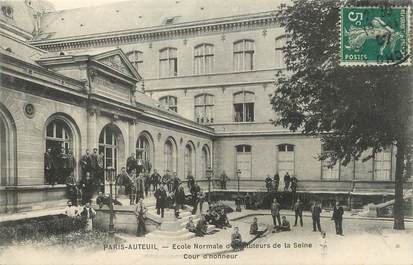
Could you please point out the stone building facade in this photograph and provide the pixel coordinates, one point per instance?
(205, 75)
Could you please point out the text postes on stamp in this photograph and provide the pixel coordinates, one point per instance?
(375, 36)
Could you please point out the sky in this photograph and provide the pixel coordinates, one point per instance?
(70, 4)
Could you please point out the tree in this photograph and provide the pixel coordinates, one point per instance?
(352, 109)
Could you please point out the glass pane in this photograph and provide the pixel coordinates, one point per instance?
(49, 129)
(249, 97)
(108, 139)
(209, 64)
(199, 51)
(249, 62)
(249, 45)
(238, 112)
(240, 148)
(247, 148)
(290, 147)
(209, 49)
(109, 157)
(238, 63)
(59, 130)
(238, 47)
(238, 98)
(249, 111)
(163, 54)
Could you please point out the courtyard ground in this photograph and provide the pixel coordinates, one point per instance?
(365, 241)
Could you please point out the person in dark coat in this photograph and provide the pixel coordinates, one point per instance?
(201, 226)
(146, 182)
(61, 166)
(298, 210)
(140, 212)
(315, 214)
(294, 185)
(268, 183)
(236, 240)
(161, 200)
(86, 163)
(94, 157)
(224, 178)
(287, 180)
(254, 229)
(155, 180)
(166, 180)
(338, 218)
(175, 182)
(275, 213)
(131, 163)
(101, 170)
(276, 181)
(195, 197)
(103, 199)
(191, 180)
(70, 163)
(87, 188)
(179, 200)
(285, 225)
(49, 167)
(71, 189)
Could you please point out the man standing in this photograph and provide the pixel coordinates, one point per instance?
(61, 166)
(275, 213)
(224, 179)
(195, 197)
(175, 182)
(71, 189)
(315, 214)
(146, 182)
(86, 163)
(294, 185)
(287, 180)
(338, 218)
(155, 179)
(94, 164)
(101, 170)
(268, 183)
(161, 199)
(131, 163)
(87, 188)
(70, 163)
(166, 180)
(179, 200)
(49, 166)
(276, 181)
(191, 180)
(298, 209)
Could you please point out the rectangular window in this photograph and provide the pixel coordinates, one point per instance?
(382, 164)
(243, 58)
(168, 62)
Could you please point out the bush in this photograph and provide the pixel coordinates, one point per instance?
(38, 228)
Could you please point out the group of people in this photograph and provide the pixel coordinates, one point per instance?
(59, 164)
(85, 212)
(316, 210)
(290, 183)
(91, 180)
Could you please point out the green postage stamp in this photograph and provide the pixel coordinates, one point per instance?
(375, 36)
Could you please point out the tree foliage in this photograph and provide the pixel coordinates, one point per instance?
(353, 109)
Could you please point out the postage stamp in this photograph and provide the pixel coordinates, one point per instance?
(375, 36)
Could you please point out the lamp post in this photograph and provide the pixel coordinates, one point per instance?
(209, 175)
(110, 175)
(238, 200)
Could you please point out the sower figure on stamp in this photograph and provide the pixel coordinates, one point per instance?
(315, 214)
(338, 218)
(140, 212)
(161, 200)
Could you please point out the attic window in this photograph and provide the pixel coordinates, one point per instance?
(169, 20)
(7, 11)
(81, 25)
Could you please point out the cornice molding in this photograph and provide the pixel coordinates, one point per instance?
(159, 33)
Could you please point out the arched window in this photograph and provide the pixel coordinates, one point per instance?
(204, 59)
(280, 43)
(8, 157)
(170, 102)
(329, 171)
(205, 160)
(285, 159)
(382, 164)
(144, 149)
(136, 58)
(170, 155)
(243, 55)
(168, 62)
(244, 106)
(108, 144)
(58, 136)
(189, 159)
(204, 105)
(244, 160)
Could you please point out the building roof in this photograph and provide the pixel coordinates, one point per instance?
(145, 14)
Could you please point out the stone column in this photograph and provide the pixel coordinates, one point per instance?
(132, 137)
(92, 134)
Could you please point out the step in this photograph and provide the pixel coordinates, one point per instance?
(186, 236)
(170, 233)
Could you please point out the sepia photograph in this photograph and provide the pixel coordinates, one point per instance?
(206, 132)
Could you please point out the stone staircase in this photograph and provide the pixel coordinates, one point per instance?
(173, 228)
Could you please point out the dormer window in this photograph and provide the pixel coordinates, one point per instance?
(169, 20)
(7, 11)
